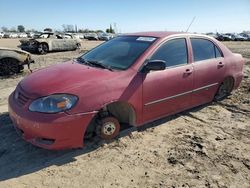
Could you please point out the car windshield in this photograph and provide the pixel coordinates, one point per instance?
(118, 53)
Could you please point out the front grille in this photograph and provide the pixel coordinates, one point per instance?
(21, 98)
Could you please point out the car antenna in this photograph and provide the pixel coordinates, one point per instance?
(190, 23)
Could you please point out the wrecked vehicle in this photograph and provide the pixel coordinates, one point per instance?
(12, 61)
(132, 79)
(91, 36)
(48, 42)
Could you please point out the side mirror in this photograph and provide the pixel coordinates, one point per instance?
(154, 65)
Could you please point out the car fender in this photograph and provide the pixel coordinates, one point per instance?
(47, 41)
(19, 55)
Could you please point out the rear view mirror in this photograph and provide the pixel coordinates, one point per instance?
(154, 65)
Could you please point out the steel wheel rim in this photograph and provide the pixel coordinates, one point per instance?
(109, 128)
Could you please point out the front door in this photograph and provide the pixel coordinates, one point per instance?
(170, 90)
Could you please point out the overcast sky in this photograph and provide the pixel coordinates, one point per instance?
(129, 15)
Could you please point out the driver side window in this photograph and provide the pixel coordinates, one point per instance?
(173, 52)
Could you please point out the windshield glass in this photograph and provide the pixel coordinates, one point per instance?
(120, 52)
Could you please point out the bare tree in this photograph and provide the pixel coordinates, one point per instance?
(68, 28)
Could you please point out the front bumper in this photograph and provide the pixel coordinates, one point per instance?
(49, 131)
(29, 48)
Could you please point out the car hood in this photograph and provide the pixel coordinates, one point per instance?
(70, 77)
(13, 49)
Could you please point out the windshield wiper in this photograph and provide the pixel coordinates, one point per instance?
(97, 63)
(94, 63)
(81, 60)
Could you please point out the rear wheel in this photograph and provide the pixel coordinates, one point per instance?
(9, 66)
(225, 89)
(78, 46)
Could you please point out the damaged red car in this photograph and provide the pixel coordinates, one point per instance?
(132, 79)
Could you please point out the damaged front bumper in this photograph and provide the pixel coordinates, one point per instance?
(49, 131)
(32, 48)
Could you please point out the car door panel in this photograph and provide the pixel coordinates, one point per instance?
(166, 92)
(208, 73)
(57, 44)
(170, 90)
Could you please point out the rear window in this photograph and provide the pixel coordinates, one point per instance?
(204, 49)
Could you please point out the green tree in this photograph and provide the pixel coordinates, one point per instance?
(21, 28)
(99, 31)
(47, 30)
(110, 29)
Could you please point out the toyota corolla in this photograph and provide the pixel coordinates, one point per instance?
(132, 79)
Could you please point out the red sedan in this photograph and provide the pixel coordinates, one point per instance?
(131, 79)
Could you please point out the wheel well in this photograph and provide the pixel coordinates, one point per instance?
(45, 44)
(123, 111)
(230, 79)
(12, 58)
(14, 61)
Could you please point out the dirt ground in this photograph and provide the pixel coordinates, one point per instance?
(208, 146)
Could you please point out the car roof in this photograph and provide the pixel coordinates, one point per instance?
(157, 34)
(164, 34)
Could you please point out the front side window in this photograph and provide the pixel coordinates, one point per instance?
(173, 52)
(120, 52)
(204, 49)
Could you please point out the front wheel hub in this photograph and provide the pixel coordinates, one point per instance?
(110, 128)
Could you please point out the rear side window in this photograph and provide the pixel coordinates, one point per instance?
(173, 52)
(217, 52)
(204, 49)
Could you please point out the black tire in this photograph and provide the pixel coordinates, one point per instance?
(78, 46)
(43, 48)
(224, 89)
(9, 66)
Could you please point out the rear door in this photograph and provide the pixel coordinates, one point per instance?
(69, 42)
(209, 69)
(57, 42)
(168, 91)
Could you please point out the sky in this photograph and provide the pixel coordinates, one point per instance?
(128, 15)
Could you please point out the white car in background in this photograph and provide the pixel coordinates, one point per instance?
(76, 35)
(13, 35)
(1, 35)
(22, 35)
(245, 35)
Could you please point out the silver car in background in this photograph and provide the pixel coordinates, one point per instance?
(48, 42)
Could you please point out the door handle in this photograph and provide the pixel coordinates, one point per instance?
(220, 64)
(188, 71)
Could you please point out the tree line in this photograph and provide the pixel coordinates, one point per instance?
(67, 28)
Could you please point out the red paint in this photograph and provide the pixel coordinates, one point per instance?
(96, 87)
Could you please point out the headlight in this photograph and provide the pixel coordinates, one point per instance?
(53, 103)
